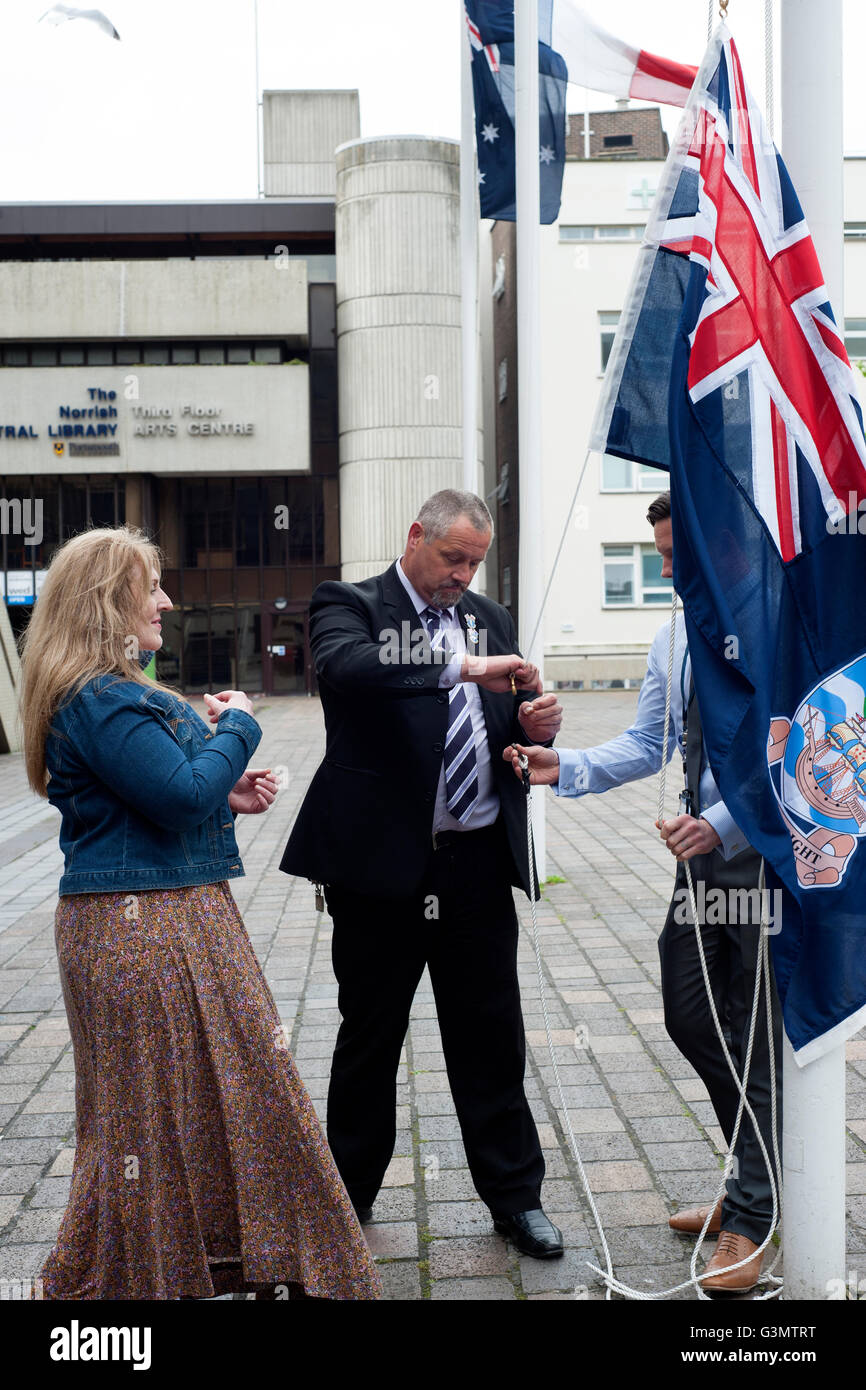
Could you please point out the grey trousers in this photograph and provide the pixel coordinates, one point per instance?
(731, 950)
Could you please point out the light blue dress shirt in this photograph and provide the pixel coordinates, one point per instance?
(638, 752)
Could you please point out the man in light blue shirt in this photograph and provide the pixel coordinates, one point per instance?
(638, 753)
(722, 860)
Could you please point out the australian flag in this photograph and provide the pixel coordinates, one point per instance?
(730, 372)
(491, 36)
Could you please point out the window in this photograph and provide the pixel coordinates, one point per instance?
(622, 475)
(618, 575)
(151, 354)
(607, 323)
(632, 577)
(624, 231)
(506, 586)
(617, 475)
(613, 142)
(855, 338)
(501, 492)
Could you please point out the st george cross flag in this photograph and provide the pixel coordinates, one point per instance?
(730, 372)
(571, 49)
(599, 60)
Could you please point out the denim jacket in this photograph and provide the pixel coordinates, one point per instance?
(142, 785)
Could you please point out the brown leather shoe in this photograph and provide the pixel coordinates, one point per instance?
(691, 1222)
(730, 1249)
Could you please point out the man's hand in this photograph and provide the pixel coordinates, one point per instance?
(494, 673)
(541, 719)
(686, 836)
(254, 792)
(543, 763)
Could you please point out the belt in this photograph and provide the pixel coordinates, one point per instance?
(442, 839)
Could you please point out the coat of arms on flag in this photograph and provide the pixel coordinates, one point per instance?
(729, 371)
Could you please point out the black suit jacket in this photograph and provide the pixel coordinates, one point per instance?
(367, 818)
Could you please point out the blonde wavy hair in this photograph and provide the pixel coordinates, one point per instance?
(83, 625)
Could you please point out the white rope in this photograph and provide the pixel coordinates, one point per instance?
(609, 1276)
(768, 66)
(530, 644)
(762, 972)
(710, 8)
(667, 723)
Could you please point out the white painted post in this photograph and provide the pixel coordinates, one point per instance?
(814, 1095)
(468, 263)
(531, 567)
(260, 182)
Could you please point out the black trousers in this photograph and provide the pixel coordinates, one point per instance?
(461, 923)
(731, 950)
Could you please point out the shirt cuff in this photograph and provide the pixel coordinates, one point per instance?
(572, 774)
(451, 672)
(733, 841)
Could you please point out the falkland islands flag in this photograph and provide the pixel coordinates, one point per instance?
(730, 372)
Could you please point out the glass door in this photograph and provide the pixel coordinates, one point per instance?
(287, 664)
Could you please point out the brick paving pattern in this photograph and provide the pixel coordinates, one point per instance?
(643, 1122)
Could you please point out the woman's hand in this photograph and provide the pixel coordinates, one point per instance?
(227, 699)
(254, 792)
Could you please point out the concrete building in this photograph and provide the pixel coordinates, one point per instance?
(271, 387)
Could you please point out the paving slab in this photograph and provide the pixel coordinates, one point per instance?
(642, 1118)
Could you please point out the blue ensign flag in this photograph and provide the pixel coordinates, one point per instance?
(491, 36)
(730, 372)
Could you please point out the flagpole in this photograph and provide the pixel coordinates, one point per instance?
(530, 587)
(814, 1095)
(468, 263)
(259, 109)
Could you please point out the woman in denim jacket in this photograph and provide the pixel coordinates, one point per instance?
(200, 1165)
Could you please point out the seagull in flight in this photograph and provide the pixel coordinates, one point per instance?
(60, 13)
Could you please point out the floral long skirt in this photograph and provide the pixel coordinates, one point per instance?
(200, 1165)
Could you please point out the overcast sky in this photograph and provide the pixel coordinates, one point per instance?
(169, 112)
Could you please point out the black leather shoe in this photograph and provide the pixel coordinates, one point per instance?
(364, 1214)
(532, 1233)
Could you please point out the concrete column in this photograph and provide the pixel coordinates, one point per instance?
(399, 346)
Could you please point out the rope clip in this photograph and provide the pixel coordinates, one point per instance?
(523, 764)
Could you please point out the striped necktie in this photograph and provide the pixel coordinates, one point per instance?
(461, 767)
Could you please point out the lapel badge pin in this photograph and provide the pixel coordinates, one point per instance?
(471, 630)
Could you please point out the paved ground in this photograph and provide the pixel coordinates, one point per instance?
(643, 1121)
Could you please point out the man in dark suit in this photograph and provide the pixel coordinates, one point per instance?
(417, 830)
